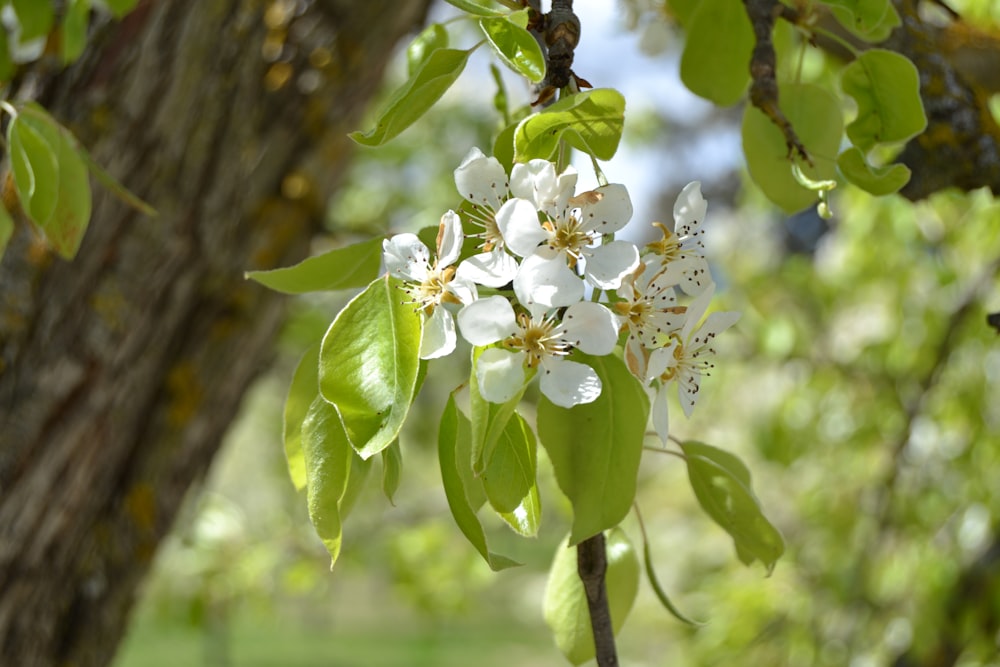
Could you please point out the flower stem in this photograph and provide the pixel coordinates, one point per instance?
(591, 565)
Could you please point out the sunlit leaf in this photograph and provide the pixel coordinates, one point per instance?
(430, 39)
(416, 96)
(301, 393)
(871, 20)
(503, 146)
(814, 113)
(886, 87)
(56, 196)
(721, 483)
(368, 365)
(510, 473)
(718, 43)
(481, 8)
(342, 268)
(453, 455)
(516, 47)
(591, 122)
(327, 456)
(595, 448)
(565, 603)
(878, 181)
(392, 468)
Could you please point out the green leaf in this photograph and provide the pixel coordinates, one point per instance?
(683, 10)
(516, 46)
(814, 113)
(6, 64)
(715, 63)
(595, 448)
(327, 456)
(661, 595)
(35, 16)
(456, 475)
(503, 146)
(591, 122)
(565, 605)
(871, 20)
(356, 480)
(6, 229)
(416, 96)
(58, 190)
(886, 87)
(368, 365)
(510, 473)
(878, 181)
(526, 518)
(120, 7)
(489, 420)
(74, 30)
(350, 267)
(302, 392)
(721, 483)
(430, 39)
(392, 468)
(473, 7)
(113, 186)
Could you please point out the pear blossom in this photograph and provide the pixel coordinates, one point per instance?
(682, 246)
(648, 310)
(482, 181)
(685, 358)
(560, 235)
(530, 343)
(432, 284)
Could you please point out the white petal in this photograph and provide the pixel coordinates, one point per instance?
(715, 324)
(568, 383)
(481, 180)
(687, 387)
(696, 309)
(406, 256)
(608, 264)
(635, 359)
(609, 213)
(500, 374)
(463, 288)
(660, 360)
(491, 269)
(661, 417)
(534, 176)
(544, 281)
(487, 320)
(518, 223)
(449, 239)
(689, 210)
(591, 327)
(439, 335)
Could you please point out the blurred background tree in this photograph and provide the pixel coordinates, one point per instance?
(861, 386)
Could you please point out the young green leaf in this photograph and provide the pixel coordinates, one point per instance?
(595, 447)
(510, 473)
(56, 196)
(878, 181)
(474, 7)
(591, 122)
(516, 47)
(430, 39)
(489, 420)
(416, 96)
(661, 595)
(327, 456)
(565, 604)
(871, 20)
(35, 17)
(368, 365)
(815, 116)
(721, 483)
(503, 146)
(74, 30)
(350, 267)
(886, 87)
(526, 518)
(456, 475)
(301, 393)
(392, 468)
(6, 229)
(717, 50)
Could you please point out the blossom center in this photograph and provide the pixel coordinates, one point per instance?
(433, 290)
(669, 247)
(568, 235)
(537, 339)
(485, 218)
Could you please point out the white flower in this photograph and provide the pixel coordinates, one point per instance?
(683, 246)
(532, 343)
(431, 285)
(685, 358)
(558, 235)
(483, 182)
(649, 310)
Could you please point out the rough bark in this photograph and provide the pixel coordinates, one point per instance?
(120, 371)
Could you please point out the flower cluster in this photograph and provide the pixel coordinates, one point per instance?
(522, 297)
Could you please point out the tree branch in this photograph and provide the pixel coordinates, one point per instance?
(591, 565)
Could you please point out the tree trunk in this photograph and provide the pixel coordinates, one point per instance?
(120, 371)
